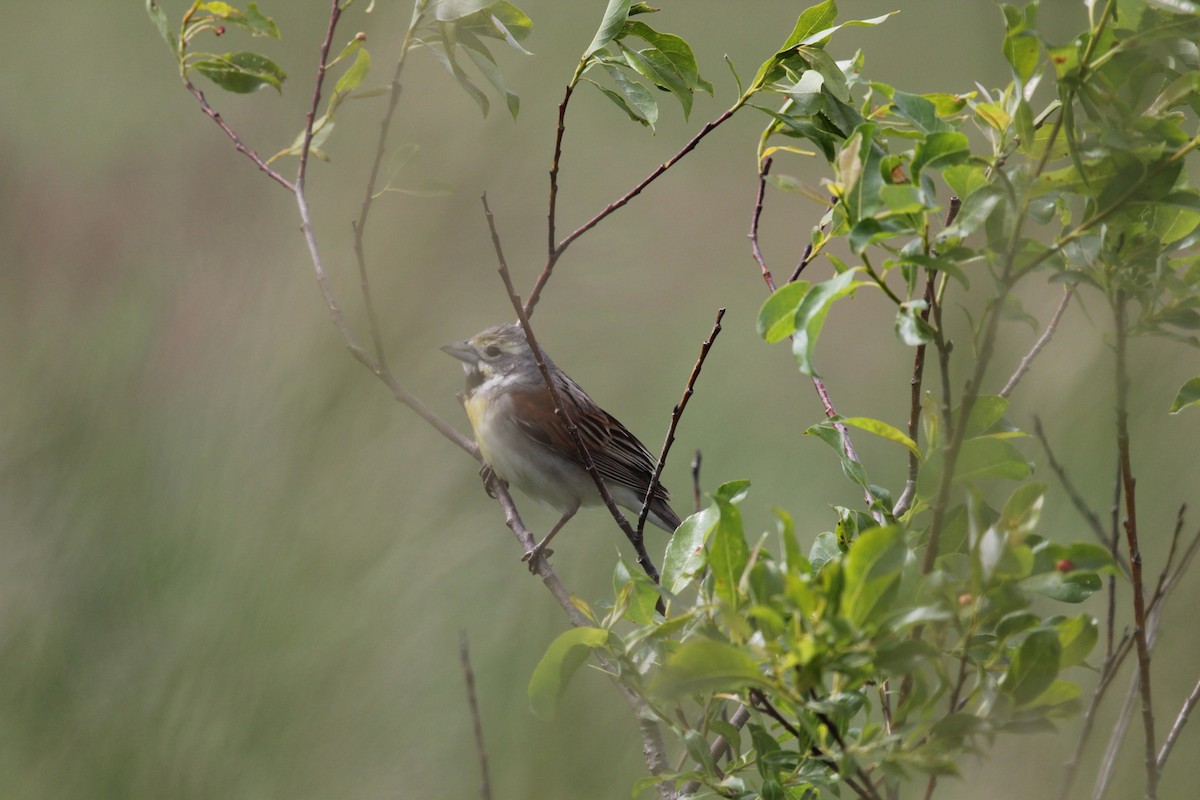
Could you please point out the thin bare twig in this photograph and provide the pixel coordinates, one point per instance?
(696, 481)
(557, 250)
(676, 414)
(360, 225)
(1135, 553)
(755, 250)
(238, 144)
(464, 658)
(638, 544)
(1042, 341)
(1180, 721)
(1090, 516)
(914, 408)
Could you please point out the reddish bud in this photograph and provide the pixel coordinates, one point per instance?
(965, 599)
(220, 30)
(1064, 565)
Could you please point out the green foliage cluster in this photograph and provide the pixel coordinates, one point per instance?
(916, 630)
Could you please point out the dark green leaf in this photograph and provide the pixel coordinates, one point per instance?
(940, 150)
(242, 73)
(1034, 667)
(637, 96)
(610, 27)
(622, 104)
(1074, 587)
(552, 674)
(920, 112)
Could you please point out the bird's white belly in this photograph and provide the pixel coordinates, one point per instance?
(535, 470)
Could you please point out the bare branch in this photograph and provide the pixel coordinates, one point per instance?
(696, 481)
(560, 407)
(914, 408)
(464, 658)
(557, 250)
(755, 250)
(238, 144)
(1135, 553)
(676, 414)
(1042, 341)
(1180, 720)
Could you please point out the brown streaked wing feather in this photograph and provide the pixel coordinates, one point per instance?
(617, 453)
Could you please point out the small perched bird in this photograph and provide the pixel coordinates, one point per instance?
(524, 441)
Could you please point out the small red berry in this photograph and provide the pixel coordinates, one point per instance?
(1064, 565)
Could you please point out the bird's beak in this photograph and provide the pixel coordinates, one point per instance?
(463, 351)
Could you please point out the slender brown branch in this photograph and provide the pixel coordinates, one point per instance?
(238, 144)
(649, 179)
(360, 225)
(1042, 341)
(335, 13)
(676, 414)
(464, 658)
(552, 251)
(755, 250)
(1090, 516)
(914, 408)
(696, 481)
(1135, 554)
(560, 407)
(1180, 721)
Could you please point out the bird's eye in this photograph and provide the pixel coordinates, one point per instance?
(492, 351)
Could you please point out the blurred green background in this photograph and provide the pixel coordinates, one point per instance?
(234, 567)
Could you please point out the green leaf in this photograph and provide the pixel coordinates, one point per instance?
(985, 414)
(1034, 667)
(1073, 587)
(685, 558)
(811, 314)
(483, 60)
(1187, 396)
(621, 103)
(824, 549)
(159, 18)
(910, 328)
(976, 208)
(702, 666)
(1077, 636)
(728, 553)
(642, 592)
(940, 150)
(777, 316)
(611, 26)
(883, 430)
(920, 112)
(669, 62)
(872, 570)
(990, 457)
(1021, 50)
(636, 96)
(445, 56)
(354, 76)
(552, 674)
(242, 73)
(260, 24)
(1176, 6)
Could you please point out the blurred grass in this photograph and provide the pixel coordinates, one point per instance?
(234, 567)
